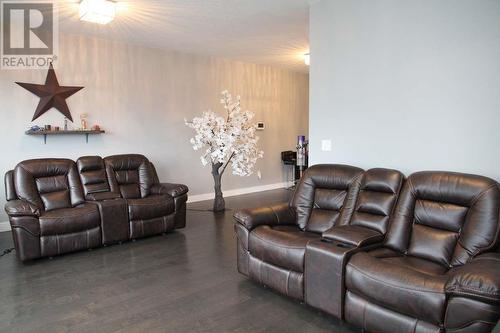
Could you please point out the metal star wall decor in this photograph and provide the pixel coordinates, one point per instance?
(51, 94)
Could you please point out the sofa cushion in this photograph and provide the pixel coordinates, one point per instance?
(49, 183)
(69, 220)
(150, 207)
(92, 174)
(378, 194)
(283, 246)
(130, 175)
(397, 287)
(325, 196)
(415, 263)
(445, 217)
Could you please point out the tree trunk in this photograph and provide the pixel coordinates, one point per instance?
(219, 203)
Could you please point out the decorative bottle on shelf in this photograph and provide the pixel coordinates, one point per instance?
(83, 119)
(65, 123)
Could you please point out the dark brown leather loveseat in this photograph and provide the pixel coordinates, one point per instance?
(383, 253)
(57, 206)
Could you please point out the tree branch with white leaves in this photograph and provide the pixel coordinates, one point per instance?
(229, 140)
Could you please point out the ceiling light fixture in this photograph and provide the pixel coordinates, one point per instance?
(307, 59)
(97, 11)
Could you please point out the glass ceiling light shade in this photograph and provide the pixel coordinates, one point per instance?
(307, 59)
(97, 11)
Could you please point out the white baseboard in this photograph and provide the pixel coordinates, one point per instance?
(5, 226)
(239, 191)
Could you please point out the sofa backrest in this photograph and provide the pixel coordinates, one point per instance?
(154, 174)
(446, 217)
(48, 183)
(130, 175)
(326, 195)
(10, 188)
(376, 200)
(92, 174)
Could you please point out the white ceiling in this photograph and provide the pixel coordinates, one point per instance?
(271, 32)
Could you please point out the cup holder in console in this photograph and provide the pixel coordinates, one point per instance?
(326, 240)
(336, 243)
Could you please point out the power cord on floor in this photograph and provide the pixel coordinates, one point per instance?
(6, 251)
(204, 210)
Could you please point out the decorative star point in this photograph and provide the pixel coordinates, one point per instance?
(51, 94)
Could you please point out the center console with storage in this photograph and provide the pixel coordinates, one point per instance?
(324, 270)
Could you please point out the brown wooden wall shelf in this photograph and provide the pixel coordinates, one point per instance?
(75, 132)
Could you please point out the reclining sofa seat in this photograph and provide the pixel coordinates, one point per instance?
(47, 209)
(151, 206)
(94, 177)
(57, 206)
(373, 207)
(436, 270)
(366, 228)
(272, 240)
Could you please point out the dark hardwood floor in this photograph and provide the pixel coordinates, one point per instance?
(185, 281)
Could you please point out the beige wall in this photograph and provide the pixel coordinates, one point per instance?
(141, 97)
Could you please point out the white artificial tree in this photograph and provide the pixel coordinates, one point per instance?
(229, 140)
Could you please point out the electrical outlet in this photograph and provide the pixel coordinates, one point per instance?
(326, 145)
(259, 174)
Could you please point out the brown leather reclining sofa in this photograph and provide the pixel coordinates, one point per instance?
(57, 206)
(382, 252)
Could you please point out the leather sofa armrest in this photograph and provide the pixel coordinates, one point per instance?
(21, 208)
(174, 190)
(273, 215)
(478, 279)
(353, 235)
(30, 224)
(101, 196)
